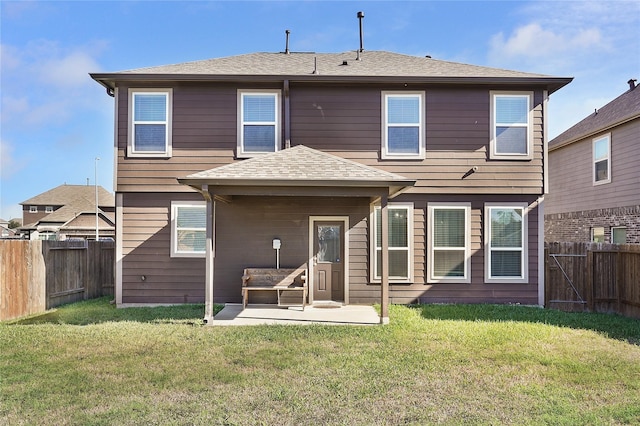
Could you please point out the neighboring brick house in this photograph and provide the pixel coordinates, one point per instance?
(394, 178)
(69, 211)
(594, 176)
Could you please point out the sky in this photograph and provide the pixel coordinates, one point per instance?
(55, 120)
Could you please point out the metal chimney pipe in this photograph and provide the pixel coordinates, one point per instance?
(632, 83)
(360, 16)
(286, 49)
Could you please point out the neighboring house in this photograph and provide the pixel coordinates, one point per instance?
(5, 231)
(69, 211)
(316, 150)
(594, 175)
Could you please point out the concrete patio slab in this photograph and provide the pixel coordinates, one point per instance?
(233, 314)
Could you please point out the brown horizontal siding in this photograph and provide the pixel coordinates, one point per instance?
(246, 227)
(345, 121)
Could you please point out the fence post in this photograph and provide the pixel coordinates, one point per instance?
(546, 276)
(590, 293)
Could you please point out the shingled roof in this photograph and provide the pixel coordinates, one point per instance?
(297, 166)
(622, 109)
(372, 66)
(72, 200)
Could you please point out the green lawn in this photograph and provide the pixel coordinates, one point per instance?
(89, 363)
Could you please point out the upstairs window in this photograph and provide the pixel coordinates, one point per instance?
(150, 122)
(400, 242)
(258, 122)
(601, 163)
(188, 229)
(33, 209)
(506, 243)
(403, 125)
(48, 209)
(511, 125)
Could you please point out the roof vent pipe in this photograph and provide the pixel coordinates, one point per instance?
(632, 83)
(360, 16)
(286, 47)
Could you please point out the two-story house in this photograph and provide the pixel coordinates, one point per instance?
(394, 178)
(69, 211)
(594, 176)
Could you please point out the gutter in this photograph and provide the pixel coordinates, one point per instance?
(551, 83)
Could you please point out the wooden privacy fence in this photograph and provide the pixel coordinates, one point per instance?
(593, 277)
(40, 275)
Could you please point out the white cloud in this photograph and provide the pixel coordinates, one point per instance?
(44, 82)
(9, 164)
(70, 70)
(534, 41)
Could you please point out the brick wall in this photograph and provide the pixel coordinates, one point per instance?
(576, 226)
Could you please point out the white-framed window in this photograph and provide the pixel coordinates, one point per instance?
(619, 234)
(258, 122)
(188, 228)
(448, 233)
(403, 125)
(150, 112)
(48, 209)
(601, 159)
(597, 234)
(400, 242)
(33, 209)
(511, 125)
(506, 257)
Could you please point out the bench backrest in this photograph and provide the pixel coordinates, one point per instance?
(266, 277)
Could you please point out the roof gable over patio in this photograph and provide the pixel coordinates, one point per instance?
(298, 171)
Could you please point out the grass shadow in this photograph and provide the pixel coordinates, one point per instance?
(100, 310)
(611, 325)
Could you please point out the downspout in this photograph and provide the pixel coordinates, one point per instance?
(287, 116)
(545, 177)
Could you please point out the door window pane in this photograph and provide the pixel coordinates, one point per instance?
(328, 243)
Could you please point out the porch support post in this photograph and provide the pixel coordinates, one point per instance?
(209, 255)
(384, 264)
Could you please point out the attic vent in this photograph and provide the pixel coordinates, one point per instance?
(345, 63)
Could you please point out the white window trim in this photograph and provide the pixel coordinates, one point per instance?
(524, 272)
(241, 153)
(385, 154)
(373, 249)
(131, 151)
(174, 228)
(613, 229)
(33, 209)
(606, 136)
(593, 233)
(493, 143)
(467, 243)
(48, 209)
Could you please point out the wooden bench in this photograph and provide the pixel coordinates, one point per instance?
(278, 280)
